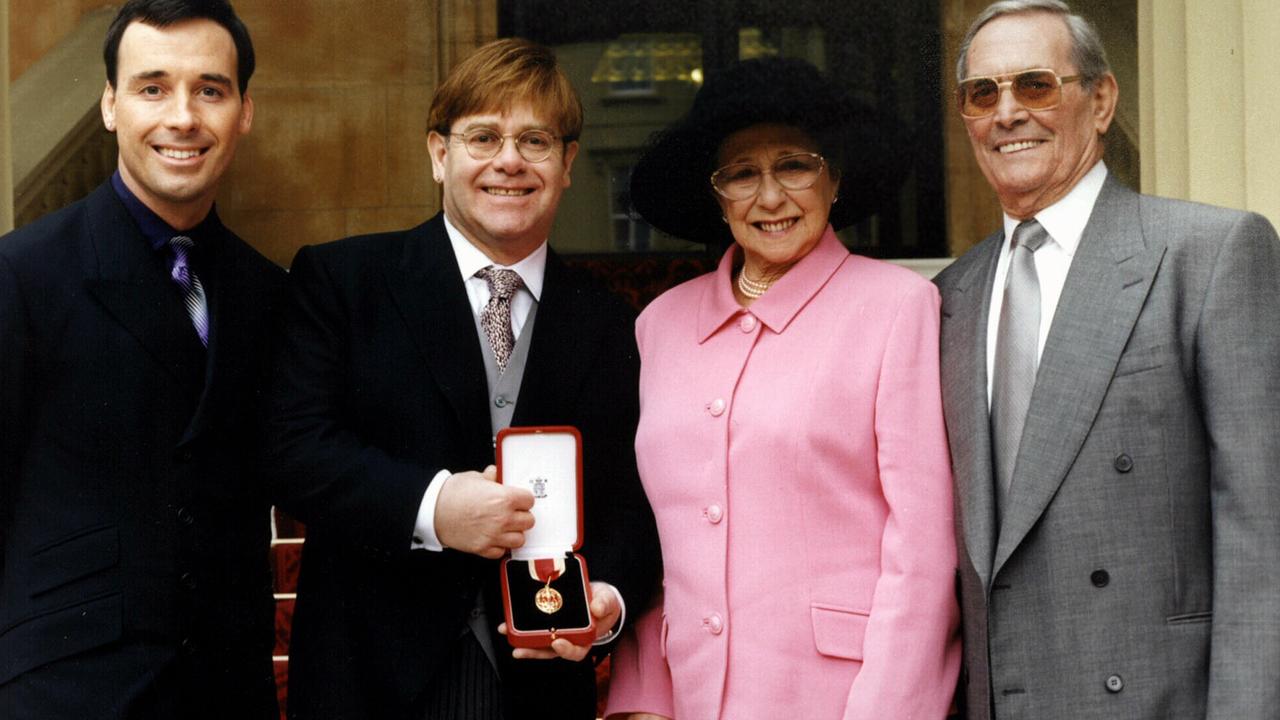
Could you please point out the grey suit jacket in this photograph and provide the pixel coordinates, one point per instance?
(1137, 570)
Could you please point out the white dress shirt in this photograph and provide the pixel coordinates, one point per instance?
(1064, 221)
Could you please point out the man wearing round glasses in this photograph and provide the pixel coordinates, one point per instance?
(503, 190)
(1109, 372)
(406, 353)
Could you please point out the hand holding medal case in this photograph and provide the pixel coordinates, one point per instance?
(545, 592)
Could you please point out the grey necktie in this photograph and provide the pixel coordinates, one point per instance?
(1016, 357)
(495, 318)
(193, 290)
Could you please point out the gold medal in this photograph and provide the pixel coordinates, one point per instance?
(548, 599)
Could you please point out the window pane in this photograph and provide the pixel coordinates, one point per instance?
(637, 67)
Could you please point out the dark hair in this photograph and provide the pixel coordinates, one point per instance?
(162, 13)
(500, 74)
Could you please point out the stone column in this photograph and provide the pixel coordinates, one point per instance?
(1209, 104)
(6, 154)
(464, 25)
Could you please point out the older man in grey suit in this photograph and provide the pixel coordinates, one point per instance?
(1111, 381)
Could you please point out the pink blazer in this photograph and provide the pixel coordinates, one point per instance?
(796, 460)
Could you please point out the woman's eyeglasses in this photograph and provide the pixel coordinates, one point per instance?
(1038, 89)
(741, 181)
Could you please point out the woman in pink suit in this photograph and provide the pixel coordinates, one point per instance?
(791, 439)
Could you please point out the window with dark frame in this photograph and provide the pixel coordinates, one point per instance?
(637, 66)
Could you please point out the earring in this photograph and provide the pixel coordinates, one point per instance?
(725, 219)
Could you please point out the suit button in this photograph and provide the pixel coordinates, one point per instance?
(188, 580)
(184, 456)
(716, 407)
(1099, 578)
(500, 401)
(747, 323)
(713, 624)
(1115, 684)
(186, 517)
(188, 646)
(713, 513)
(1123, 463)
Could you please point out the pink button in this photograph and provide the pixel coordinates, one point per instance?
(713, 624)
(747, 323)
(716, 407)
(713, 513)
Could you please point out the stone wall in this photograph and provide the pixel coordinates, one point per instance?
(339, 143)
(35, 26)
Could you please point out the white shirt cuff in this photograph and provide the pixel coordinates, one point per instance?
(424, 530)
(622, 617)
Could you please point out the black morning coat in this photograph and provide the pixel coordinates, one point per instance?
(380, 384)
(134, 525)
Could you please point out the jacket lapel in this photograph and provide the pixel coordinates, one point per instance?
(234, 301)
(1105, 289)
(217, 355)
(560, 353)
(132, 286)
(428, 291)
(964, 386)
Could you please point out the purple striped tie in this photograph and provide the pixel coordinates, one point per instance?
(197, 305)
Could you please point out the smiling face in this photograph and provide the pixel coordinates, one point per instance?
(1033, 159)
(504, 205)
(177, 115)
(777, 227)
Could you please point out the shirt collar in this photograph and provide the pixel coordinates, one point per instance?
(777, 307)
(1065, 220)
(531, 269)
(158, 232)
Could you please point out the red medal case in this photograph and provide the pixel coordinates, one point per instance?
(548, 462)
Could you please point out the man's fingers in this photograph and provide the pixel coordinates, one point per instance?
(510, 540)
(520, 499)
(520, 521)
(560, 648)
(603, 603)
(604, 600)
(533, 654)
(473, 514)
(568, 650)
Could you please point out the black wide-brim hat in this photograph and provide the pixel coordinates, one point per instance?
(671, 184)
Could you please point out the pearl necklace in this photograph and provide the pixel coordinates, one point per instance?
(749, 288)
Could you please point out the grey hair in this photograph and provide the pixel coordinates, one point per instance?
(1087, 53)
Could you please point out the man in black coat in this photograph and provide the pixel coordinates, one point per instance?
(405, 353)
(134, 529)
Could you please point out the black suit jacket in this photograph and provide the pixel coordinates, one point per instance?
(132, 520)
(381, 384)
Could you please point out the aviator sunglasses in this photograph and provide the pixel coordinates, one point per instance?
(1037, 89)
